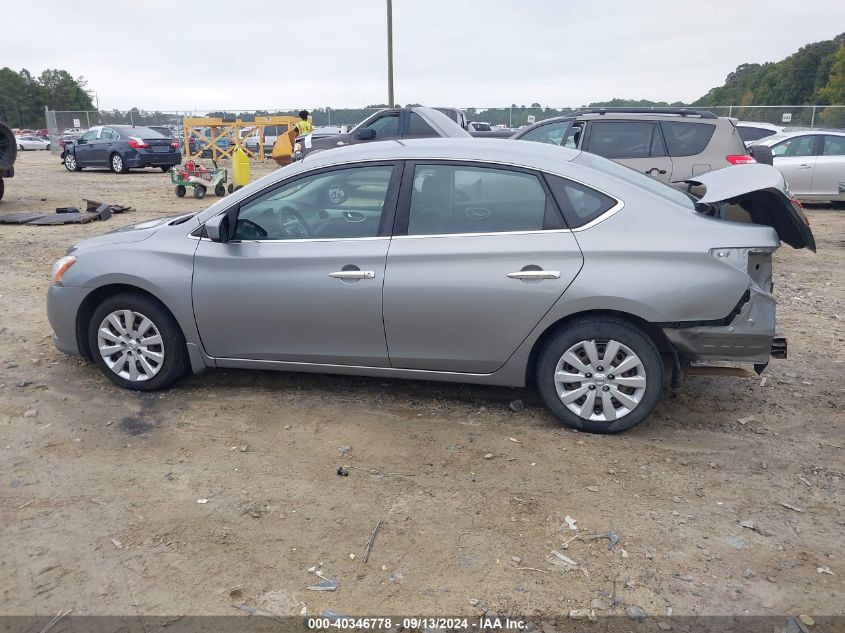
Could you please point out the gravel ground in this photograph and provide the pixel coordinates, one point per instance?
(716, 511)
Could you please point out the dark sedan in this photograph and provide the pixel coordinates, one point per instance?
(121, 148)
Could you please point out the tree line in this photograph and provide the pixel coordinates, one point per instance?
(24, 96)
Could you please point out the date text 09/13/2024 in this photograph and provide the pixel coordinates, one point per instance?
(384, 623)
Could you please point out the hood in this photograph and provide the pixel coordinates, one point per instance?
(762, 192)
(131, 233)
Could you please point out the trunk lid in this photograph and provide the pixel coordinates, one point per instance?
(761, 191)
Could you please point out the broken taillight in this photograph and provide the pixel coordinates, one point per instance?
(136, 143)
(740, 159)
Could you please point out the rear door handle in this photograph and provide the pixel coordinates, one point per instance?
(651, 171)
(804, 166)
(535, 274)
(353, 274)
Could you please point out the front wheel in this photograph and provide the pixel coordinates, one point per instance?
(180, 191)
(117, 164)
(220, 191)
(70, 162)
(164, 168)
(199, 192)
(136, 343)
(600, 374)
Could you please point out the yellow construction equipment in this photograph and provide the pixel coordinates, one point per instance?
(223, 137)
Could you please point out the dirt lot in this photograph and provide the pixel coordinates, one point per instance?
(99, 487)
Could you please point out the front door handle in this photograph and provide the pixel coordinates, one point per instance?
(353, 274)
(535, 274)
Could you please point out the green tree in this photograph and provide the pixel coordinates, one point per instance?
(833, 93)
(64, 92)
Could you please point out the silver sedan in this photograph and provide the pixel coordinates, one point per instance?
(813, 163)
(445, 259)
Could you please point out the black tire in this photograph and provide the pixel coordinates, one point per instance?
(199, 192)
(117, 164)
(164, 168)
(220, 191)
(180, 191)
(600, 328)
(2, 188)
(8, 147)
(70, 162)
(20, 148)
(231, 187)
(175, 362)
(762, 154)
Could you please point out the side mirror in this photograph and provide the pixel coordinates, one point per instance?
(217, 228)
(367, 134)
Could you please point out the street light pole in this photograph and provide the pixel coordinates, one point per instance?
(390, 102)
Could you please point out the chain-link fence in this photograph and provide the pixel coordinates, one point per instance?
(64, 124)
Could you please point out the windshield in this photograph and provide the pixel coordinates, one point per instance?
(634, 177)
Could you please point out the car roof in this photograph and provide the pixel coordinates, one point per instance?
(782, 136)
(532, 155)
(760, 124)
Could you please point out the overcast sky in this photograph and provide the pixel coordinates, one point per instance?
(226, 54)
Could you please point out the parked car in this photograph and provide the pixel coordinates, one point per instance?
(31, 142)
(386, 124)
(121, 148)
(444, 259)
(812, 162)
(671, 145)
(479, 126)
(753, 131)
(269, 135)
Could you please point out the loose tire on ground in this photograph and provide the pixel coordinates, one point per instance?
(180, 191)
(602, 331)
(2, 188)
(172, 347)
(220, 191)
(8, 147)
(199, 192)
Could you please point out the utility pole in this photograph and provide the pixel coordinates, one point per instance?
(390, 102)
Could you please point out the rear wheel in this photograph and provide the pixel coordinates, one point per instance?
(164, 168)
(199, 192)
(600, 374)
(2, 188)
(220, 191)
(180, 191)
(137, 343)
(117, 164)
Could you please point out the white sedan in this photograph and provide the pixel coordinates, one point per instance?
(31, 142)
(812, 162)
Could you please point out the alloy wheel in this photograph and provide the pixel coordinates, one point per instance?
(117, 163)
(600, 380)
(131, 345)
(70, 161)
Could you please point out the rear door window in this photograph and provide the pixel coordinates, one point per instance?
(458, 199)
(749, 134)
(625, 139)
(834, 146)
(686, 139)
(580, 204)
(558, 133)
(417, 127)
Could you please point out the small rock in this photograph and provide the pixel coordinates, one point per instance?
(771, 579)
(116, 543)
(516, 559)
(630, 585)
(806, 619)
(664, 625)
(735, 542)
(517, 406)
(244, 449)
(488, 456)
(685, 578)
(611, 471)
(623, 553)
(24, 383)
(473, 602)
(635, 612)
(344, 449)
(395, 577)
(342, 472)
(202, 501)
(582, 614)
(593, 488)
(745, 420)
(30, 413)
(825, 570)
(748, 573)
(286, 427)
(677, 499)
(598, 604)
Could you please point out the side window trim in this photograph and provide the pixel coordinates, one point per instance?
(388, 213)
(553, 214)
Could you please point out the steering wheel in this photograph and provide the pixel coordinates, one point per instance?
(293, 225)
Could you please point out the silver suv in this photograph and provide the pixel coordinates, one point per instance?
(670, 145)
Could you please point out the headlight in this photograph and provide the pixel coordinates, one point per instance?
(61, 266)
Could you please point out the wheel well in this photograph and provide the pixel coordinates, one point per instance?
(86, 309)
(653, 332)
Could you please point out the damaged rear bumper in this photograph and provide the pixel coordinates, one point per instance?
(752, 336)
